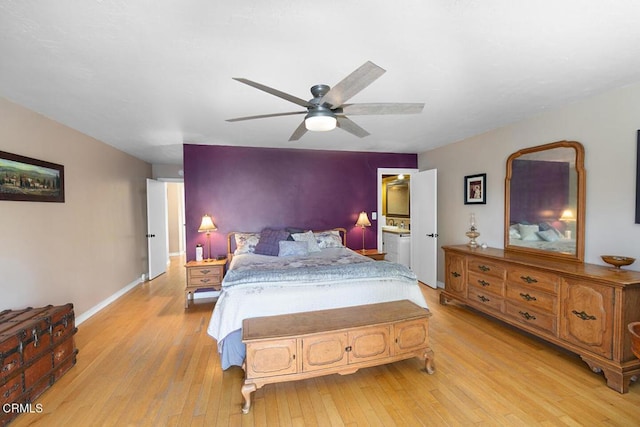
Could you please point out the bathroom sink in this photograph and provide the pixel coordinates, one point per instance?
(395, 229)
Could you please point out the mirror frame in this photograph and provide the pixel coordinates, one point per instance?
(580, 208)
(398, 183)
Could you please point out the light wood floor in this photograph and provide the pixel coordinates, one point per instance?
(144, 360)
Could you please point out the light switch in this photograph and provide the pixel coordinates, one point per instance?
(374, 215)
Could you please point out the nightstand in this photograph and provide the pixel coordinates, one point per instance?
(203, 275)
(372, 253)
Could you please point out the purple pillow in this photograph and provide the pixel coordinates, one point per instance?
(269, 243)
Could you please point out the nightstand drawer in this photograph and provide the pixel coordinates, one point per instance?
(197, 272)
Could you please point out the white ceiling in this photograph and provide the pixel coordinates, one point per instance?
(146, 76)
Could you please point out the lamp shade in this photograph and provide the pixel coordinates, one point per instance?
(567, 215)
(207, 224)
(363, 220)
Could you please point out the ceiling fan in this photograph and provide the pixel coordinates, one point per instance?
(328, 109)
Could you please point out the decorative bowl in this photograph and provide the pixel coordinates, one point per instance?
(634, 328)
(617, 261)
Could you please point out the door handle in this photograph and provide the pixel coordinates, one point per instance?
(151, 235)
(432, 235)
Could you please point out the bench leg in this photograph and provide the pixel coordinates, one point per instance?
(247, 389)
(428, 362)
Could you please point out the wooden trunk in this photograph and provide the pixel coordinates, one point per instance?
(36, 348)
(305, 345)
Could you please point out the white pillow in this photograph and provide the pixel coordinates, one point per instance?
(514, 231)
(550, 235)
(246, 243)
(529, 232)
(308, 237)
(328, 239)
(289, 248)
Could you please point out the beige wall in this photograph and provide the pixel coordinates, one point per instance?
(606, 125)
(81, 251)
(175, 217)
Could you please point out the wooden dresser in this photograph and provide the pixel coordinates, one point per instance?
(36, 348)
(584, 308)
(305, 345)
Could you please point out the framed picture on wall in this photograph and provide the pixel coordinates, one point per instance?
(475, 189)
(26, 179)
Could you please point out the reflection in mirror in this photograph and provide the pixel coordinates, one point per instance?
(398, 199)
(545, 198)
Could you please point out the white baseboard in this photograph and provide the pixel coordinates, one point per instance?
(102, 304)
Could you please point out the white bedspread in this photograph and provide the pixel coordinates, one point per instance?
(267, 298)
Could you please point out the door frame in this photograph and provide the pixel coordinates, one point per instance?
(388, 171)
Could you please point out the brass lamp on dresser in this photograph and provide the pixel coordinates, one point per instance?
(540, 283)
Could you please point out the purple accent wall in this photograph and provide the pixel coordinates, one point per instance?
(536, 184)
(248, 189)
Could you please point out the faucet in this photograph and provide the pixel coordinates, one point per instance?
(401, 224)
(392, 222)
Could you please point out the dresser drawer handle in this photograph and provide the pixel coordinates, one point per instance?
(483, 283)
(584, 316)
(484, 268)
(527, 315)
(205, 280)
(205, 271)
(455, 274)
(11, 390)
(483, 298)
(528, 297)
(528, 279)
(8, 367)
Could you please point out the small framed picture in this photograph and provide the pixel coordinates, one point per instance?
(475, 189)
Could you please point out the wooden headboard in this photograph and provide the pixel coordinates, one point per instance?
(231, 241)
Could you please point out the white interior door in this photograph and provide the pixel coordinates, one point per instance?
(157, 223)
(424, 226)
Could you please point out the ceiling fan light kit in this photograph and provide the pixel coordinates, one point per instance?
(320, 120)
(328, 109)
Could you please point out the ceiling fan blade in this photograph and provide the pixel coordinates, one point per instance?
(352, 84)
(382, 108)
(346, 124)
(264, 116)
(275, 92)
(297, 134)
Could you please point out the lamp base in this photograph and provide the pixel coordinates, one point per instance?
(472, 234)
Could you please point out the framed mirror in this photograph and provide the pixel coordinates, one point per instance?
(398, 199)
(545, 201)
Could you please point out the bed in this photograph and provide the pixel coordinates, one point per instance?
(326, 275)
(542, 235)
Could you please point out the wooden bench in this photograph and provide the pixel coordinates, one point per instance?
(306, 345)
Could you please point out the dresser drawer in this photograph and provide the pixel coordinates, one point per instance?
(479, 296)
(544, 321)
(531, 298)
(487, 283)
(487, 268)
(202, 281)
(533, 278)
(198, 272)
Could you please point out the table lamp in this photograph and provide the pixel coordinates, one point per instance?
(363, 221)
(207, 226)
